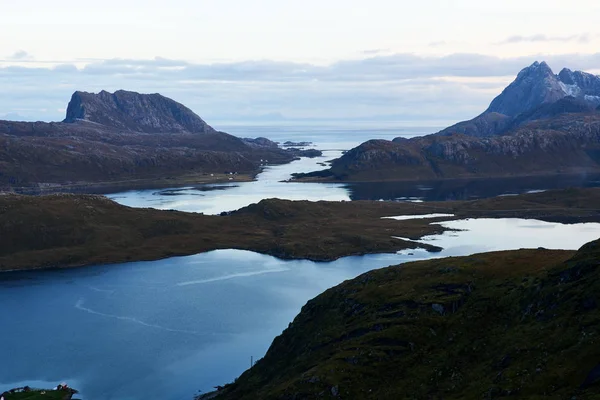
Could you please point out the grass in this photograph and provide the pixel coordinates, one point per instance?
(77, 230)
(37, 395)
(522, 324)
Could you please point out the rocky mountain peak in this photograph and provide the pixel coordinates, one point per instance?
(536, 93)
(535, 85)
(537, 69)
(566, 76)
(149, 113)
(581, 84)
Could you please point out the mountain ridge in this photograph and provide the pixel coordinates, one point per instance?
(535, 87)
(549, 133)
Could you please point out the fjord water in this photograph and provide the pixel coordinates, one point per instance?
(332, 140)
(166, 329)
(213, 199)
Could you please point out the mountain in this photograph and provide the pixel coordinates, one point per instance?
(148, 113)
(125, 137)
(519, 324)
(541, 124)
(535, 87)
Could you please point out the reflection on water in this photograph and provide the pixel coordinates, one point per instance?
(466, 189)
(332, 140)
(185, 324)
(482, 235)
(214, 199)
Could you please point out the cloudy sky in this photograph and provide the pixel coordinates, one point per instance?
(417, 62)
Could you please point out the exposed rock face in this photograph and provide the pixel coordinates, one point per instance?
(122, 137)
(131, 111)
(261, 142)
(536, 87)
(581, 84)
(565, 144)
(542, 123)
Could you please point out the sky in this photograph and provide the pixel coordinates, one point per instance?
(417, 62)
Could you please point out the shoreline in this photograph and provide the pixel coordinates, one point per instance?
(108, 187)
(67, 231)
(331, 179)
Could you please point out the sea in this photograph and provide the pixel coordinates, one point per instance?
(178, 327)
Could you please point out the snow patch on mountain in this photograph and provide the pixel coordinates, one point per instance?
(570, 90)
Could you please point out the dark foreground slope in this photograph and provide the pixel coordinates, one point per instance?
(77, 230)
(520, 324)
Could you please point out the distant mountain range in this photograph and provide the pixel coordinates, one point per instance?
(541, 124)
(125, 137)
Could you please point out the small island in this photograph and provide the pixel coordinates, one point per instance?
(60, 392)
(297, 144)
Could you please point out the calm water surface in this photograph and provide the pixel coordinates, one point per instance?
(166, 329)
(332, 141)
(180, 325)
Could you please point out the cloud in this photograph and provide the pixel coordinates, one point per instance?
(21, 55)
(408, 86)
(581, 38)
(375, 51)
(440, 43)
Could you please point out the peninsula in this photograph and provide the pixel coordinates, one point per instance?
(64, 230)
(115, 141)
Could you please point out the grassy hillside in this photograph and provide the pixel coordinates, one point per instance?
(518, 324)
(568, 144)
(76, 230)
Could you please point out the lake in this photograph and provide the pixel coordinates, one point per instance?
(332, 140)
(167, 329)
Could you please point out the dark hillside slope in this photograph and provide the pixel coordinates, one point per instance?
(566, 144)
(123, 137)
(520, 324)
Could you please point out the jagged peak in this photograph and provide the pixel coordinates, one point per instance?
(537, 68)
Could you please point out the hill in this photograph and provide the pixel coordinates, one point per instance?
(520, 324)
(541, 124)
(75, 230)
(123, 137)
(149, 113)
(528, 98)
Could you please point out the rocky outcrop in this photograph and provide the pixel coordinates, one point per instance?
(566, 144)
(581, 84)
(541, 124)
(122, 137)
(131, 111)
(531, 97)
(535, 85)
(261, 142)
